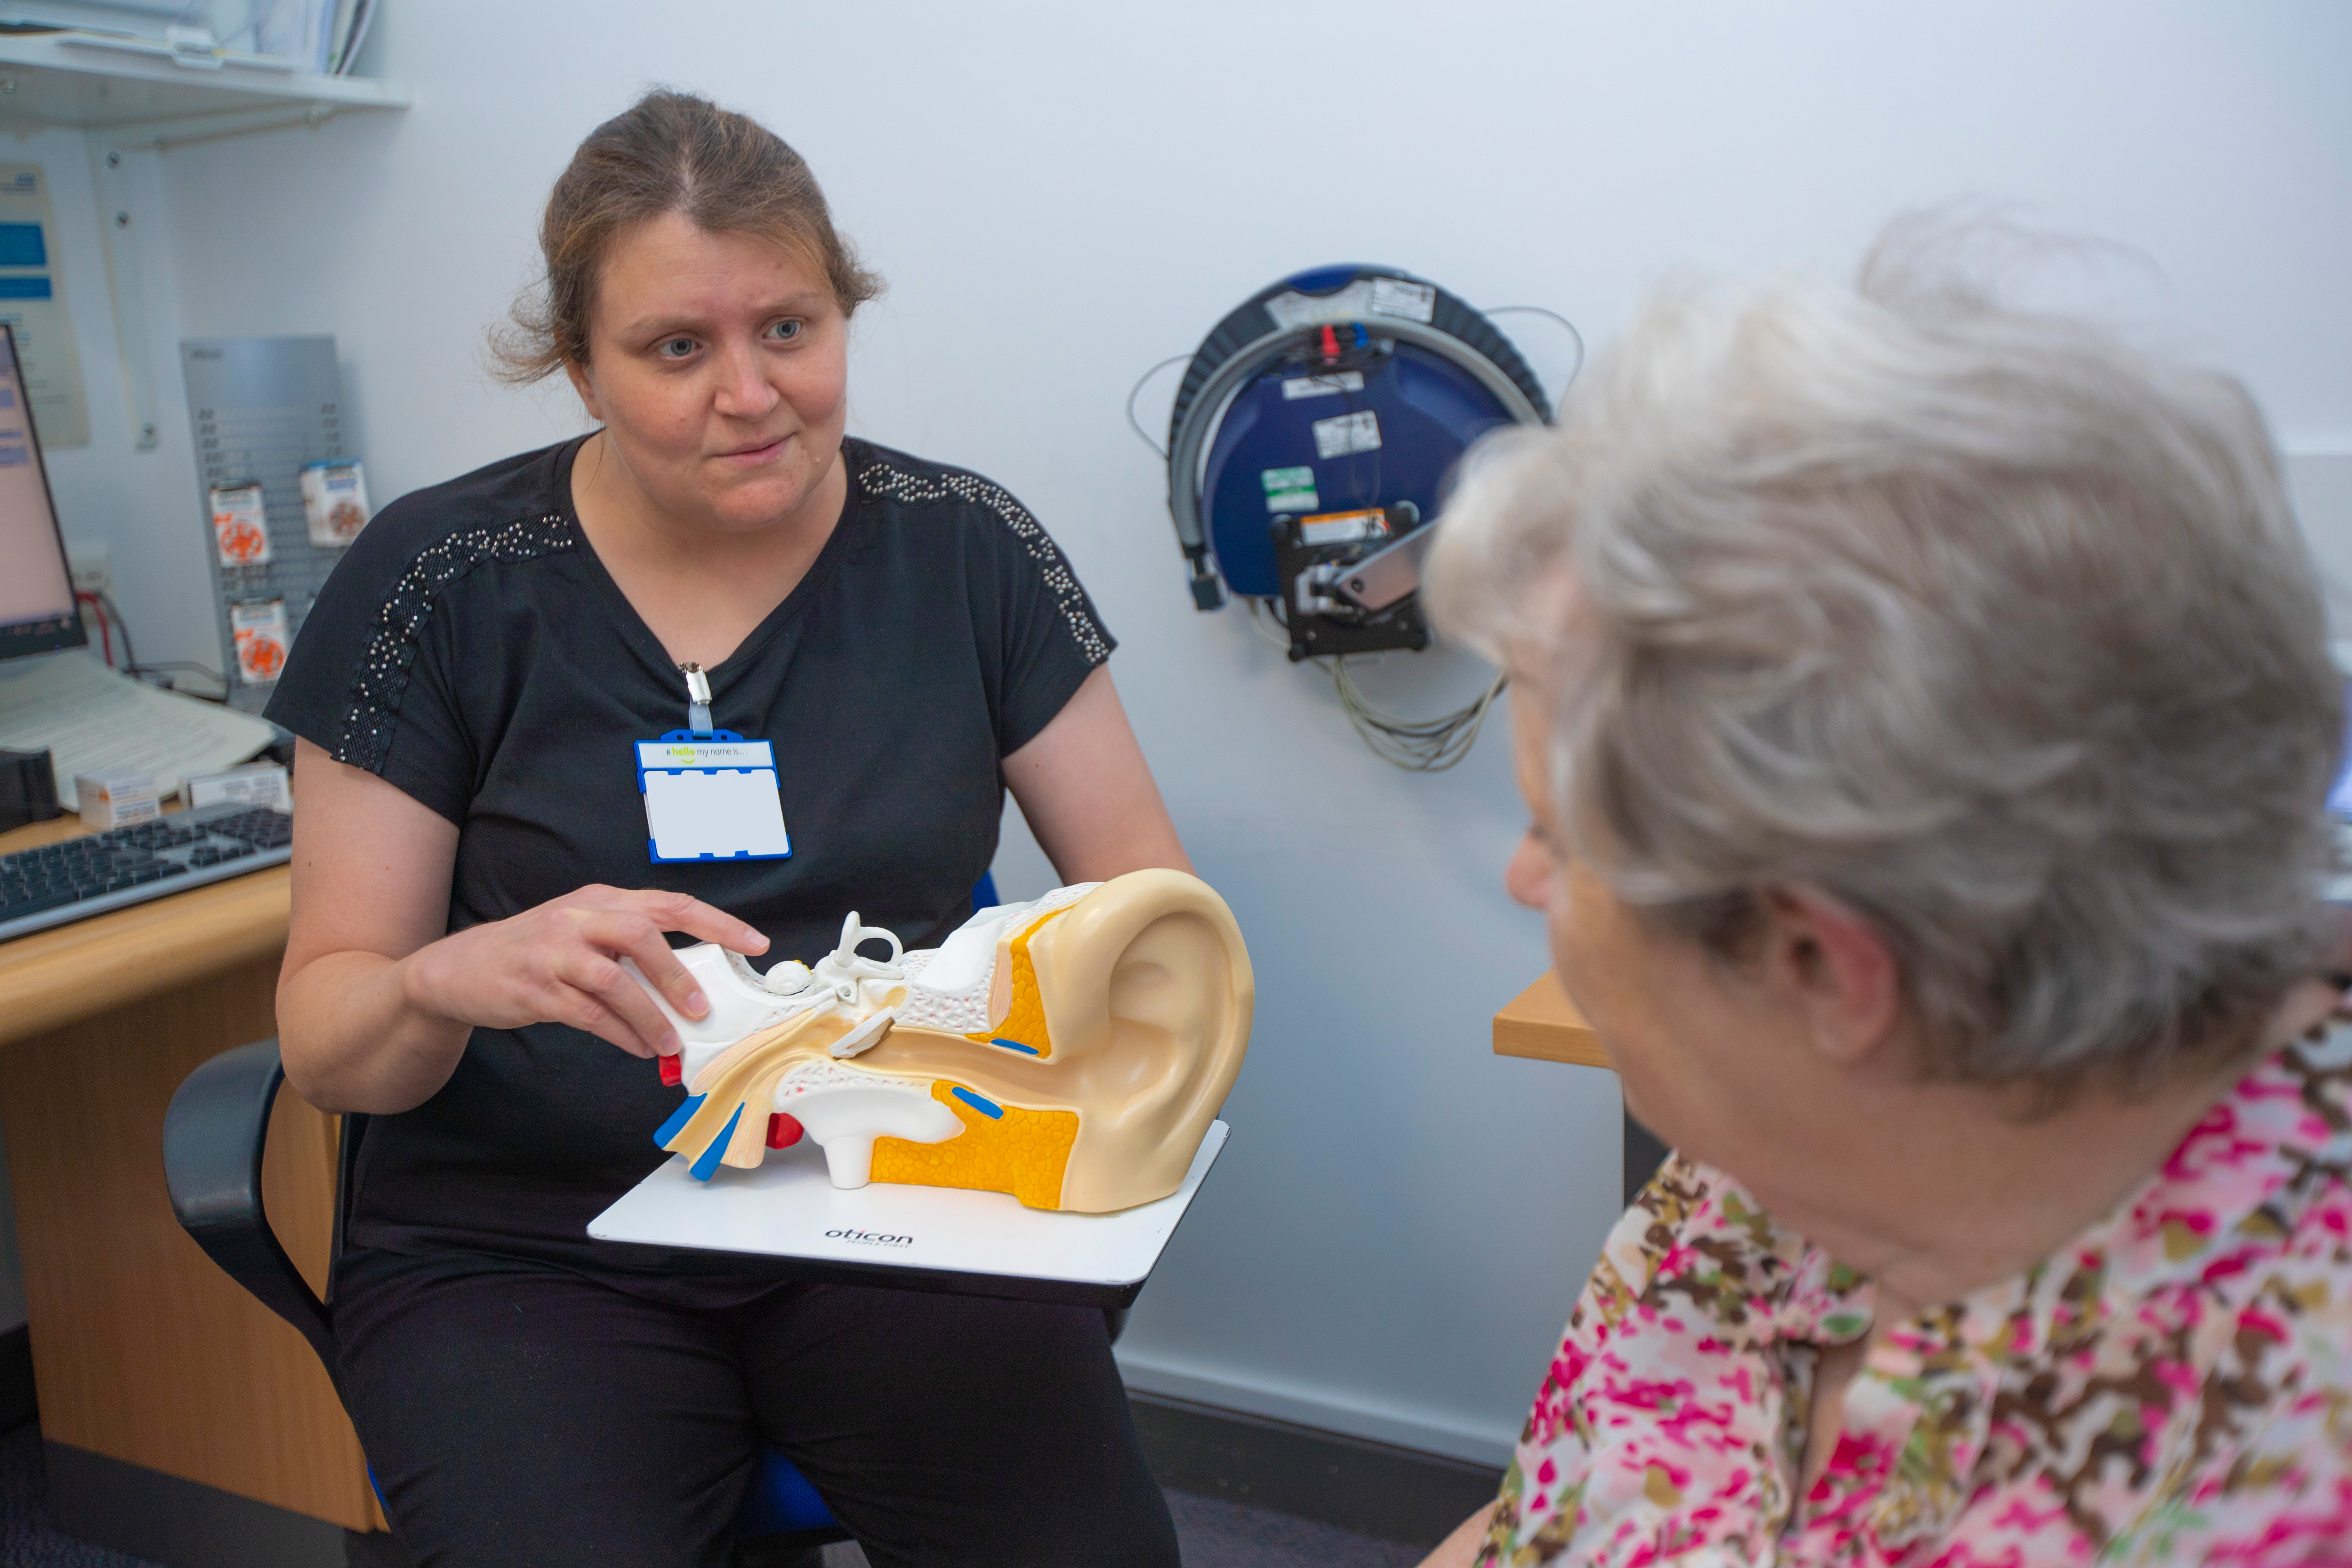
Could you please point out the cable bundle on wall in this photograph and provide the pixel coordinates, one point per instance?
(1416, 745)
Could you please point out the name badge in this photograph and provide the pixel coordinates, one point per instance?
(712, 796)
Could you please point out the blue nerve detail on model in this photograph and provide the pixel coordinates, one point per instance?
(985, 1106)
(677, 1119)
(707, 1160)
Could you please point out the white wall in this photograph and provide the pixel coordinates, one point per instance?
(1063, 194)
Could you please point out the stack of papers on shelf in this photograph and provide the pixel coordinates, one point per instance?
(321, 36)
(92, 719)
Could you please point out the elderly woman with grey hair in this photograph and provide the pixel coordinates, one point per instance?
(1926, 715)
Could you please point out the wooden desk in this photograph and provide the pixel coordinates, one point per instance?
(143, 1350)
(1541, 1023)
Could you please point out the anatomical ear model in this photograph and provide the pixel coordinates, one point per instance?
(1070, 1051)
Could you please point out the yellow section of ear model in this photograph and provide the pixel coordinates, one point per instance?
(1143, 993)
(1002, 1149)
(1023, 1020)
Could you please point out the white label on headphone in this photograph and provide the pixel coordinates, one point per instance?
(1293, 311)
(1345, 433)
(1299, 386)
(1395, 297)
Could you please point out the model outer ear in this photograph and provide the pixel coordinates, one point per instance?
(1148, 994)
(1145, 992)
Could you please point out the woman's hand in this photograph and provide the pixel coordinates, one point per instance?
(559, 963)
(376, 1001)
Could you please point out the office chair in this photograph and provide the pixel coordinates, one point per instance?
(214, 1136)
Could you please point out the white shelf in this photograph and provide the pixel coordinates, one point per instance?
(57, 80)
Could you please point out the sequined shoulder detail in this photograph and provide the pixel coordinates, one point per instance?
(887, 482)
(382, 678)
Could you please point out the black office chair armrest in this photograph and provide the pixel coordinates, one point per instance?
(213, 1135)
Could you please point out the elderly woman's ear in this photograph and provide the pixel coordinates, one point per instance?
(1829, 966)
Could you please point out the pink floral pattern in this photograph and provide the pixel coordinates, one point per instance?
(2174, 1387)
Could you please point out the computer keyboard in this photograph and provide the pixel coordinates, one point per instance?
(100, 872)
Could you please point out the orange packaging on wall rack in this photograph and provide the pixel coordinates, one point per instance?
(240, 525)
(259, 632)
(334, 500)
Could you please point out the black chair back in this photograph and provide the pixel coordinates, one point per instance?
(214, 1136)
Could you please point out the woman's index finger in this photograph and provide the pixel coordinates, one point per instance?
(685, 912)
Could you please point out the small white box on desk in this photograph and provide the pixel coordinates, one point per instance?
(261, 783)
(117, 797)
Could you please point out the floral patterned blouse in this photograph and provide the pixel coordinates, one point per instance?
(2174, 1387)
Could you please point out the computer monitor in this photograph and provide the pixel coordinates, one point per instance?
(37, 613)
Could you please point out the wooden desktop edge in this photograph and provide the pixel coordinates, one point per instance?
(75, 970)
(1542, 1024)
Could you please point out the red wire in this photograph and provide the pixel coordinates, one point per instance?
(105, 637)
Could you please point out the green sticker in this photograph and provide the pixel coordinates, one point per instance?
(1288, 489)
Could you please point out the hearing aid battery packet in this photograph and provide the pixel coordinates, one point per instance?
(334, 500)
(240, 524)
(257, 628)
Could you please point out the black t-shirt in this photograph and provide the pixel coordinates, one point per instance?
(472, 650)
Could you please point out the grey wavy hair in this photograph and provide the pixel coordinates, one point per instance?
(1976, 620)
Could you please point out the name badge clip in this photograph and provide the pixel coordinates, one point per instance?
(697, 699)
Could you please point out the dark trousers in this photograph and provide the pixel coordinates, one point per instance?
(518, 1415)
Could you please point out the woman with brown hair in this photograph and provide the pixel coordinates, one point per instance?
(471, 867)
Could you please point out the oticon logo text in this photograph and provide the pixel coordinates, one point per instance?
(870, 1239)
